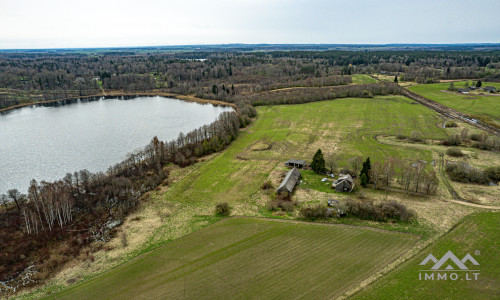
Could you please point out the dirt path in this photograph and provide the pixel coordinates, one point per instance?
(474, 204)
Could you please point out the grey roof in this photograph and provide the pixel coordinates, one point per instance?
(489, 88)
(344, 177)
(296, 161)
(291, 179)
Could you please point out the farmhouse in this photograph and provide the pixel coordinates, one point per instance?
(344, 183)
(296, 163)
(490, 89)
(463, 91)
(290, 181)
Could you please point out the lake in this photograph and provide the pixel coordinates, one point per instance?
(45, 143)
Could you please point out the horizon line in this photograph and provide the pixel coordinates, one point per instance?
(256, 44)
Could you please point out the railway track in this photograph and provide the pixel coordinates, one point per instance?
(449, 112)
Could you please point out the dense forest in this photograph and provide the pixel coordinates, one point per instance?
(222, 75)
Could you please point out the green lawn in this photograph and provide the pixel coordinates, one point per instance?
(362, 79)
(478, 232)
(252, 258)
(487, 108)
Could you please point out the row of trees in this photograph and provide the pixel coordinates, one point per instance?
(247, 72)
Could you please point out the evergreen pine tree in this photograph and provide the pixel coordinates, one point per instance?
(396, 79)
(364, 180)
(365, 170)
(318, 162)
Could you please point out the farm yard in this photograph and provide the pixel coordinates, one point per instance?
(483, 107)
(252, 258)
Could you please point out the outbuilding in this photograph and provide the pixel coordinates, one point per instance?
(290, 181)
(295, 163)
(344, 183)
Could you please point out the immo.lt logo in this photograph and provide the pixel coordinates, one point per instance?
(449, 267)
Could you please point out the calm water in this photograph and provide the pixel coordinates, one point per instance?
(45, 143)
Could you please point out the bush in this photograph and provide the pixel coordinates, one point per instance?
(452, 140)
(449, 124)
(380, 212)
(455, 152)
(222, 209)
(401, 137)
(314, 213)
(493, 173)
(461, 172)
(267, 185)
(475, 137)
(416, 136)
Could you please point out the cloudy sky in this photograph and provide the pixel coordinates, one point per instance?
(110, 23)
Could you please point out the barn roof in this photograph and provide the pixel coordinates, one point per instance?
(296, 161)
(290, 181)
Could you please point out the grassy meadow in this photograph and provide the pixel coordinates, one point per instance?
(478, 232)
(486, 108)
(252, 258)
(362, 79)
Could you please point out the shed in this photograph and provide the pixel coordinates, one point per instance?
(463, 91)
(290, 181)
(344, 183)
(296, 163)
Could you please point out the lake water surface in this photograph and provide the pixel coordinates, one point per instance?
(45, 143)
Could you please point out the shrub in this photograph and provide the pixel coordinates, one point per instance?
(452, 140)
(267, 185)
(455, 152)
(314, 213)
(379, 212)
(449, 124)
(461, 172)
(493, 173)
(222, 209)
(401, 137)
(475, 137)
(416, 136)
(367, 94)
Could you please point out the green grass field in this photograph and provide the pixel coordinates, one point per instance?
(252, 258)
(479, 106)
(362, 79)
(343, 127)
(477, 232)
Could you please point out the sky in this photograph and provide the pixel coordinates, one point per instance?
(108, 23)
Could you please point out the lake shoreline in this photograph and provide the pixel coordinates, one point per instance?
(119, 93)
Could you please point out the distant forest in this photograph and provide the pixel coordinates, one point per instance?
(226, 74)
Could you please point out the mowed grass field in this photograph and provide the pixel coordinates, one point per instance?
(479, 232)
(241, 258)
(485, 106)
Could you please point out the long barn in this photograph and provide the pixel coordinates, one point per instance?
(290, 181)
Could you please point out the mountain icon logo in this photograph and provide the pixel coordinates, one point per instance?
(447, 257)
